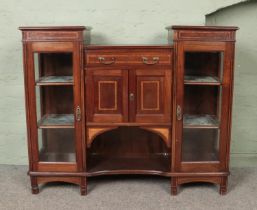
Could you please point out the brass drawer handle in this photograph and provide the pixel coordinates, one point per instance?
(103, 61)
(179, 113)
(155, 60)
(78, 113)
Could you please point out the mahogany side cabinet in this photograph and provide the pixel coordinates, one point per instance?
(96, 110)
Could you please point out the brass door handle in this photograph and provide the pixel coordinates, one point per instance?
(179, 113)
(78, 113)
(103, 61)
(155, 60)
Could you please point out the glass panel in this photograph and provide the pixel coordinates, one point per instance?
(200, 145)
(54, 101)
(53, 68)
(202, 106)
(203, 67)
(55, 106)
(56, 145)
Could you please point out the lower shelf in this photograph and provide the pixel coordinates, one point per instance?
(200, 157)
(154, 164)
(57, 157)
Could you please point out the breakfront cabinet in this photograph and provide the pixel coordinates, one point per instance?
(103, 110)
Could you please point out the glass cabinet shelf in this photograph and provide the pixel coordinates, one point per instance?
(55, 80)
(200, 156)
(57, 157)
(200, 121)
(201, 80)
(56, 121)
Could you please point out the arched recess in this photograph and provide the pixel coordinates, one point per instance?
(72, 180)
(213, 180)
(163, 132)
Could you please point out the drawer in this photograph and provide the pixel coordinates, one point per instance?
(146, 57)
(106, 58)
(152, 57)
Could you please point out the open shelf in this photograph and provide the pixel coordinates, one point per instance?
(154, 164)
(128, 150)
(55, 80)
(56, 121)
(201, 80)
(200, 121)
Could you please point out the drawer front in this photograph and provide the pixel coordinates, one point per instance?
(152, 58)
(129, 57)
(106, 58)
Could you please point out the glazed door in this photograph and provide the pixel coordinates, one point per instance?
(150, 95)
(202, 103)
(107, 95)
(53, 81)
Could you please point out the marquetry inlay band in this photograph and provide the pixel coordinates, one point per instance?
(100, 89)
(93, 132)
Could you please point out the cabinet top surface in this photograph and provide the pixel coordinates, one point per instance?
(175, 27)
(209, 28)
(52, 28)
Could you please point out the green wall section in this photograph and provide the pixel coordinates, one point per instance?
(244, 127)
(123, 22)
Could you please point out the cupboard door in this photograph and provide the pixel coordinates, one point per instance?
(107, 92)
(150, 95)
(202, 98)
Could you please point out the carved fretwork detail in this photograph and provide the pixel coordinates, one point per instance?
(93, 132)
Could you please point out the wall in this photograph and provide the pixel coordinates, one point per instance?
(112, 22)
(244, 131)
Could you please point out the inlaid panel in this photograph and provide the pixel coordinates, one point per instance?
(107, 95)
(153, 94)
(150, 95)
(150, 90)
